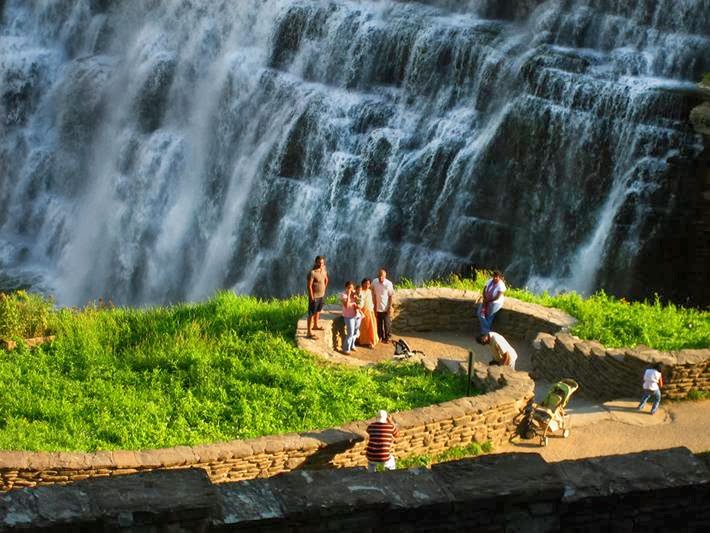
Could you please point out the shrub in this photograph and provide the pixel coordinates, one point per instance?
(24, 315)
(452, 454)
(699, 395)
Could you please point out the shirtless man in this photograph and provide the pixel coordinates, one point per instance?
(317, 283)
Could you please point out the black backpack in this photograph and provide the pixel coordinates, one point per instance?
(403, 351)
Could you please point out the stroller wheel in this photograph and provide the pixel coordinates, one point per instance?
(565, 433)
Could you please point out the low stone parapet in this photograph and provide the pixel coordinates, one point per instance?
(441, 309)
(427, 430)
(646, 492)
(608, 373)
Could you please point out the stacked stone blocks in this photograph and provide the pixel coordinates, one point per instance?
(609, 373)
(645, 492)
(428, 430)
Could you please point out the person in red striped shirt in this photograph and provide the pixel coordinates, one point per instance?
(381, 442)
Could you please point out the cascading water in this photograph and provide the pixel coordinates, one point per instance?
(156, 151)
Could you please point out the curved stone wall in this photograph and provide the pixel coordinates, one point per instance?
(607, 374)
(441, 309)
(428, 430)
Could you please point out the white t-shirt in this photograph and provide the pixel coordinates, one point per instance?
(651, 378)
(500, 346)
(497, 289)
(383, 292)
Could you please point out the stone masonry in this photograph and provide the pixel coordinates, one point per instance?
(428, 430)
(606, 374)
(644, 492)
(444, 309)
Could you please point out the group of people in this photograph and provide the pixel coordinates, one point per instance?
(367, 307)
(367, 310)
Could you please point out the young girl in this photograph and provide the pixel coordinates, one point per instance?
(350, 315)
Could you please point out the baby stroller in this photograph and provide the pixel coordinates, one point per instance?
(549, 416)
(403, 351)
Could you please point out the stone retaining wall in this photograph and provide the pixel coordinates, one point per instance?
(428, 430)
(607, 374)
(644, 492)
(440, 309)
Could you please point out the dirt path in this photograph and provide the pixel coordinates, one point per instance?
(675, 424)
(608, 429)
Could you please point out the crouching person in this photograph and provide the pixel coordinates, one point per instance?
(503, 353)
(380, 443)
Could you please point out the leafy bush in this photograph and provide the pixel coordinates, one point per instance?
(452, 454)
(699, 395)
(614, 322)
(24, 315)
(214, 371)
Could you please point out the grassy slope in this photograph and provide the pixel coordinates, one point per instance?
(614, 322)
(189, 374)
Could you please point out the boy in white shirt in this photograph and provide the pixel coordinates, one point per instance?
(652, 384)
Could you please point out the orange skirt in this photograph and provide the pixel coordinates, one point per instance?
(368, 329)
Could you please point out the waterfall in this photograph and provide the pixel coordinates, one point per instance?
(156, 151)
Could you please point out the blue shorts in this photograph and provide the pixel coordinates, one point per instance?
(315, 306)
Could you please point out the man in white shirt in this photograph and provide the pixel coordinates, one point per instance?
(503, 353)
(652, 384)
(382, 295)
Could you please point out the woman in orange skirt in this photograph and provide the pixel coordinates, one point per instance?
(368, 327)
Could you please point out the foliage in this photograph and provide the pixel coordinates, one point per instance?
(452, 454)
(614, 322)
(699, 395)
(24, 315)
(219, 370)
(706, 78)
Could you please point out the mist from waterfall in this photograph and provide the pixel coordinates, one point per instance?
(156, 151)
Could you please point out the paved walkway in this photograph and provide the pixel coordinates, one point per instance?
(608, 429)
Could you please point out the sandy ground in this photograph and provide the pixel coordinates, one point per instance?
(625, 430)
(608, 429)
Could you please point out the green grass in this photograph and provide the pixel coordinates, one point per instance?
(614, 322)
(452, 454)
(223, 369)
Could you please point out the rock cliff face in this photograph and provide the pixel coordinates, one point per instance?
(700, 115)
(157, 151)
(697, 216)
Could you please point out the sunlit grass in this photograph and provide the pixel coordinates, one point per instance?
(224, 369)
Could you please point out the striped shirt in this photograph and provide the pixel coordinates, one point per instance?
(381, 441)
